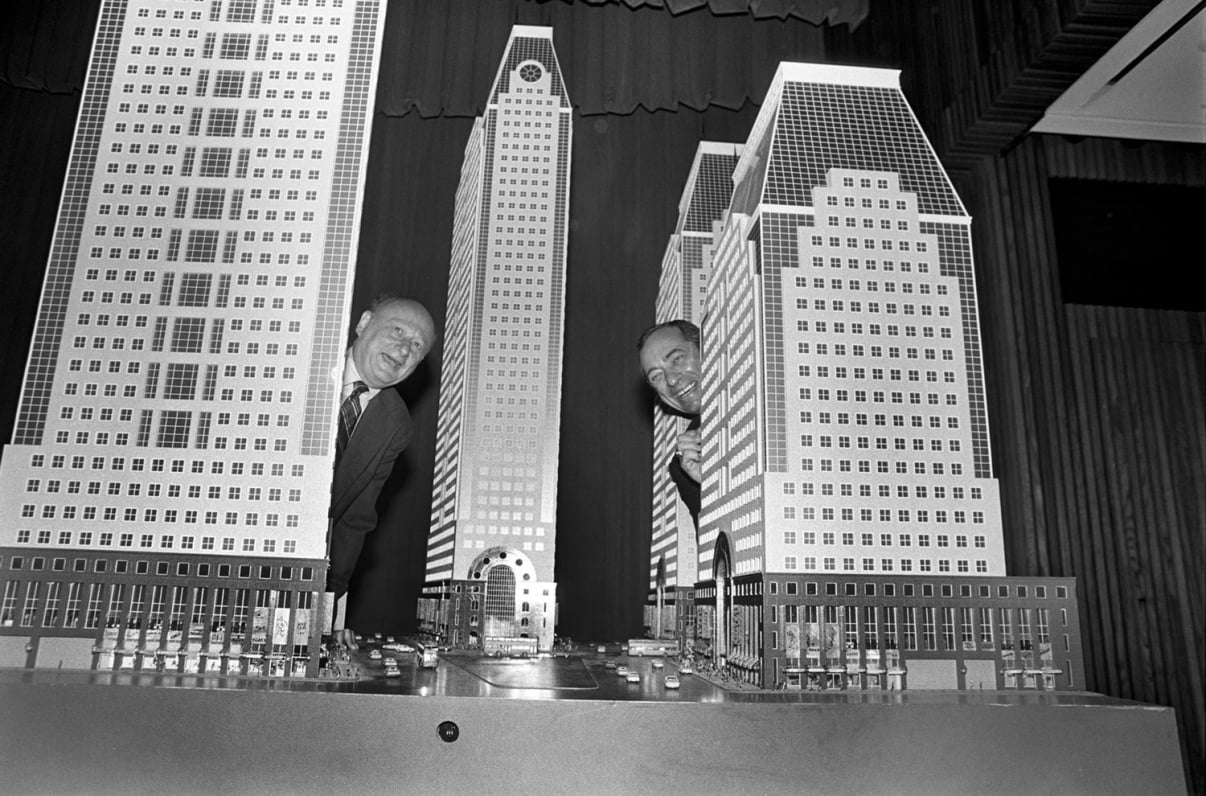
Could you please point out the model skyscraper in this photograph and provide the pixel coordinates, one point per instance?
(850, 531)
(163, 503)
(686, 268)
(494, 508)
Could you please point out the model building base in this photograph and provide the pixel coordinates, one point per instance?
(58, 736)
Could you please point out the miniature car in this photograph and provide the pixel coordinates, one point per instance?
(632, 677)
(622, 671)
(375, 655)
(609, 665)
(686, 669)
(658, 663)
(391, 668)
(671, 681)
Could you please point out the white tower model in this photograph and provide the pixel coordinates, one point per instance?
(843, 348)
(686, 268)
(845, 430)
(164, 500)
(494, 508)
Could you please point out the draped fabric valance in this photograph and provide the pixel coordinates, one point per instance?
(615, 59)
(834, 12)
(439, 58)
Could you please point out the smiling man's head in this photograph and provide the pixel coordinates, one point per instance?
(392, 338)
(671, 364)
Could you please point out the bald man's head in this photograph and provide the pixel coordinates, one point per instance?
(392, 337)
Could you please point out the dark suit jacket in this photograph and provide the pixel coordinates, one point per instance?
(382, 433)
(688, 487)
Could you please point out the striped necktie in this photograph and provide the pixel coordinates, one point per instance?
(349, 413)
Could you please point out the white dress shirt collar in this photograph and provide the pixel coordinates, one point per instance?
(350, 376)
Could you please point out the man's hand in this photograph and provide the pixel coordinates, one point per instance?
(334, 610)
(690, 453)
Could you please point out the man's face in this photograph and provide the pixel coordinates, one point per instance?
(672, 368)
(391, 342)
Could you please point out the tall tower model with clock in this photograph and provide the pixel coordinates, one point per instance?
(494, 508)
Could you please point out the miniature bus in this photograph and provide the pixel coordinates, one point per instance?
(652, 646)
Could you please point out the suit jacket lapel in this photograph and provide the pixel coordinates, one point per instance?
(359, 460)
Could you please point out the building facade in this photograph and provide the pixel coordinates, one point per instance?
(490, 555)
(164, 497)
(682, 287)
(845, 422)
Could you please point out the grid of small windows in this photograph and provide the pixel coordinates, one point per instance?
(955, 259)
(965, 622)
(146, 417)
(878, 389)
(174, 428)
(181, 382)
(504, 364)
(779, 251)
(823, 126)
(60, 271)
(490, 202)
(560, 208)
(157, 479)
(129, 218)
(830, 409)
(454, 377)
(731, 402)
(215, 162)
(92, 592)
(694, 279)
(239, 10)
(712, 191)
(222, 122)
(187, 335)
(166, 283)
(342, 226)
(209, 203)
(194, 290)
(524, 355)
(202, 246)
(682, 291)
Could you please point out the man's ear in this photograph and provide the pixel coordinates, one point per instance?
(365, 317)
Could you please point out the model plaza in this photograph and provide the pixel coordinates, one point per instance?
(166, 485)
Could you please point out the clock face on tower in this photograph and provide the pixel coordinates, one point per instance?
(530, 73)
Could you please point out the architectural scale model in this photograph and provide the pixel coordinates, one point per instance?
(163, 502)
(686, 268)
(850, 533)
(494, 508)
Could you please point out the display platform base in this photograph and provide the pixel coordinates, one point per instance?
(65, 732)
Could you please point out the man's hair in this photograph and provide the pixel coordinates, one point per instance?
(689, 331)
(382, 299)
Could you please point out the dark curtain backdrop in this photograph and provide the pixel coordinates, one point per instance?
(649, 81)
